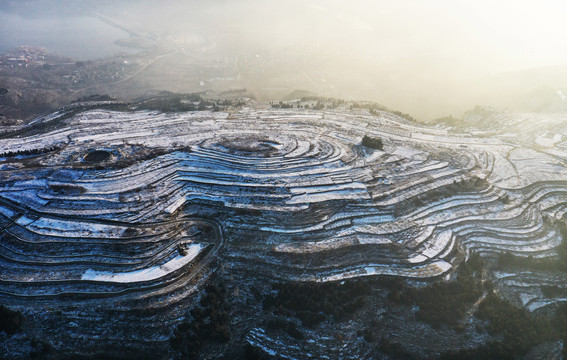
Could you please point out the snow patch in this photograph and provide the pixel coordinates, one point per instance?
(151, 273)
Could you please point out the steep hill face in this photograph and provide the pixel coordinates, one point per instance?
(113, 222)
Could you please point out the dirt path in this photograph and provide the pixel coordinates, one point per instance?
(474, 307)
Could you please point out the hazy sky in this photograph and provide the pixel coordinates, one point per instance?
(484, 35)
(494, 35)
(480, 35)
(426, 57)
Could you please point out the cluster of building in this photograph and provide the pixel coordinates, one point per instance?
(23, 56)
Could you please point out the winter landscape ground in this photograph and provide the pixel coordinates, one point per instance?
(309, 229)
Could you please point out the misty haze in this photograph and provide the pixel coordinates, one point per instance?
(261, 179)
(427, 59)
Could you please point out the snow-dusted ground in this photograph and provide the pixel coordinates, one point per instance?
(151, 273)
(290, 183)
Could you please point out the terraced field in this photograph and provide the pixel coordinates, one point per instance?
(124, 214)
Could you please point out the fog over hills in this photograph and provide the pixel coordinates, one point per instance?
(429, 59)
